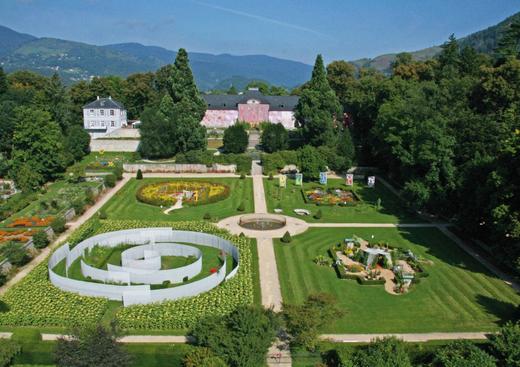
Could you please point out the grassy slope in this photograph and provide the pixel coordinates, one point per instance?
(459, 294)
(291, 198)
(124, 204)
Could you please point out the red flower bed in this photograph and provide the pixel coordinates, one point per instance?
(31, 222)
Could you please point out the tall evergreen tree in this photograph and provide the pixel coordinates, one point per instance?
(57, 102)
(182, 87)
(318, 108)
(157, 130)
(3, 81)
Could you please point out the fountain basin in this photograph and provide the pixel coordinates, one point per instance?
(262, 222)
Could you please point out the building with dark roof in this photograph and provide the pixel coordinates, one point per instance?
(253, 107)
(103, 116)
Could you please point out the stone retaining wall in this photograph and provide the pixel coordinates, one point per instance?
(179, 168)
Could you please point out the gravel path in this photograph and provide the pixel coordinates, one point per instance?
(72, 226)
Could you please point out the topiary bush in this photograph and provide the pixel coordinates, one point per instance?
(110, 180)
(15, 253)
(139, 175)
(286, 237)
(207, 216)
(102, 214)
(58, 225)
(318, 214)
(40, 240)
(241, 207)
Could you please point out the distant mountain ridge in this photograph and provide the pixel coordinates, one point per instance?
(484, 41)
(76, 61)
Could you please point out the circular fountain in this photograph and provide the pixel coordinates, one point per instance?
(262, 222)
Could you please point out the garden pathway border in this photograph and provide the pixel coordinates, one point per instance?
(72, 226)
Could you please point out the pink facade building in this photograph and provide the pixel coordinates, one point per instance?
(253, 107)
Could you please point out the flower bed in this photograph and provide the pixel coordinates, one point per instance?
(193, 192)
(36, 302)
(331, 196)
(29, 222)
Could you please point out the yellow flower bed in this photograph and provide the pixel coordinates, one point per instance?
(166, 193)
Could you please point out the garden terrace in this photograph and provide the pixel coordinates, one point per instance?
(365, 209)
(458, 295)
(36, 302)
(125, 205)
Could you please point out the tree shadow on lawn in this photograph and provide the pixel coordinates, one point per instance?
(436, 244)
(390, 203)
(504, 311)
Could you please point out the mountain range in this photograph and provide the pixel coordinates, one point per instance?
(76, 61)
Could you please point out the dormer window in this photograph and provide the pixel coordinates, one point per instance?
(253, 101)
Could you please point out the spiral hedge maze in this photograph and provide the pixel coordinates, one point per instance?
(35, 301)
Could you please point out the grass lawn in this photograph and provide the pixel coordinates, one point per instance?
(291, 198)
(143, 355)
(124, 205)
(459, 294)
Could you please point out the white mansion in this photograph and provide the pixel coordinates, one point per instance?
(103, 116)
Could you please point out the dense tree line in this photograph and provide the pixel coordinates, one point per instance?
(39, 134)
(445, 130)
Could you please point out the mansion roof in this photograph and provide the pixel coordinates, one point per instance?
(105, 103)
(231, 101)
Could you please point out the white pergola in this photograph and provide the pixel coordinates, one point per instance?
(374, 253)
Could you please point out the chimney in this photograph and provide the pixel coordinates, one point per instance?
(98, 98)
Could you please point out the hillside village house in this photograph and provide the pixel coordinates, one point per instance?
(252, 107)
(103, 116)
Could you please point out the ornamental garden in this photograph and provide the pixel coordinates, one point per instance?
(386, 279)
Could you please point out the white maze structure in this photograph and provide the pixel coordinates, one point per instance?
(141, 265)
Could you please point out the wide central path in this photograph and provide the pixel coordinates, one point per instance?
(279, 353)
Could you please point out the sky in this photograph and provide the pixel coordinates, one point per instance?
(290, 29)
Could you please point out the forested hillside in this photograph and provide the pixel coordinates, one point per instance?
(484, 41)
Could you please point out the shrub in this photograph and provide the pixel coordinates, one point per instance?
(318, 214)
(58, 224)
(118, 172)
(286, 237)
(460, 353)
(240, 338)
(78, 206)
(241, 207)
(90, 196)
(271, 177)
(110, 180)
(40, 240)
(15, 253)
(242, 176)
(139, 175)
(235, 139)
(505, 344)
(8, 350)
(102, 214)
(207, 216)
(3, 280)
(95, 344)
(202, 357)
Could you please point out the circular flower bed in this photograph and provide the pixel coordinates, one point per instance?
(192, 192)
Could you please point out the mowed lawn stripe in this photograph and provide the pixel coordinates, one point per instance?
(459, 294)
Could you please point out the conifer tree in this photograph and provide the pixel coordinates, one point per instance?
(317, 108)
(3, 81)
